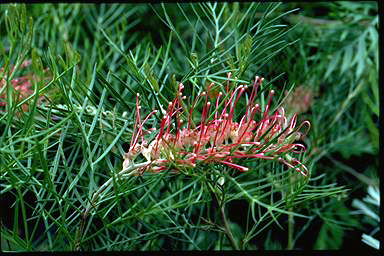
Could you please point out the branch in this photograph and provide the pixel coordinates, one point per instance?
(227, 229)
(92, 203)
(359, 176)
(312, 21)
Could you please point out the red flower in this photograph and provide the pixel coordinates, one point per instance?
(217, 137)
(22, 86)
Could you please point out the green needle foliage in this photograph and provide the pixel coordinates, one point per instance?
(67, 121)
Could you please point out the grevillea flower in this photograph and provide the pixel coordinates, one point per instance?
(218, 137)
(22, 85)
(300, 100)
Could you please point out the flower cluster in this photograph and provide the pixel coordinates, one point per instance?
(217, 137)
(300, 100)
(22, 86)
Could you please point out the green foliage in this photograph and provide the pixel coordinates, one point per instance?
(338, 54)
(370, 208)
(63, 186)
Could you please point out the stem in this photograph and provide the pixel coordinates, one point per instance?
(92, 204)
(359, 176)
(291, 221)
(227, 230)
(291, 227)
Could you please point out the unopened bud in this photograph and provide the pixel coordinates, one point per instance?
(220, 181)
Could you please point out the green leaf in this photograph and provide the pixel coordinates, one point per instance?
(347, 58)
(11, 241)
(72, 57)
(373, 35)
(360, 67)
(332, 64)
(152, 80)
(329, 237)
(37, 64)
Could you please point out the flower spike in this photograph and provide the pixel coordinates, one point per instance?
(219, 137)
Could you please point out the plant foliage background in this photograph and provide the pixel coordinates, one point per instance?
(55, 155)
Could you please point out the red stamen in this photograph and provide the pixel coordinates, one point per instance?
(230, 100)
(249, 123)
(235, 102)
(141, 126)
(235, 166)
(271, 93)
(204, 130)
(293, 122)
(191, 111)
(293, 167)
(222, 137)
(217, 105)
